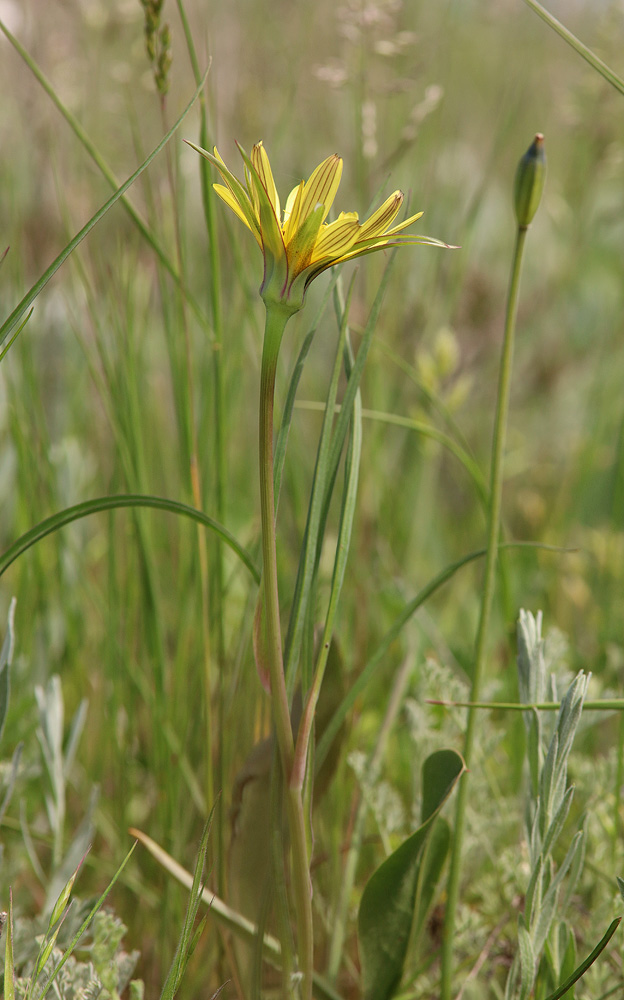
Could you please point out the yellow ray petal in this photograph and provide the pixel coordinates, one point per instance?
(292, 212)
(260, 160)
(338, 237)
(403, 225)
(270, 228)
(232, 183)
(321, 187)
(379, 221)
(290, 201)
(226, 195)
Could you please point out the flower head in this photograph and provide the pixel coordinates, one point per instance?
(298, 243)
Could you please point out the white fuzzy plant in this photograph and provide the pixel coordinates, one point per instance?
(547, 809)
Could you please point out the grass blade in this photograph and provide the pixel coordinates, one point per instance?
(103, 166)
(9, 325)
(584, 966)
(187, 938)
(97, 905)
(99, 504)
(578, 46)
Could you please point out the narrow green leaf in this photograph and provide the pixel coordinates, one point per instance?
(558, 820)
(387, 906)
(63, 899)
(345, 526)
(22, 307)
(104, 168)
(549, 904)
(44, 954)
(533, 900)
(527, 959)
(228, 917)
(322, 486)
(10, 779)
(94, 909)
(589, 961)
(188, 939)
(570, 715)
(547, 783)
(567, 954)
(6, 656)
(9, 968)
(409, 609)
(586, 53)
(100, 504)
(8, 345)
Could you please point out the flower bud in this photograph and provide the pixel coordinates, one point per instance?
(529, 182)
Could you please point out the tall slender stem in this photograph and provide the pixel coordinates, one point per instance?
(276, 318)
(496, 488)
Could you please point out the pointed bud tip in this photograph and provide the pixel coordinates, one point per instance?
(529, 182)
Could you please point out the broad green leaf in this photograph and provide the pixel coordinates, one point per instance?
(387, 906)
(431, 866)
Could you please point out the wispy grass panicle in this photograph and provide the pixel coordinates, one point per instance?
(157, 44)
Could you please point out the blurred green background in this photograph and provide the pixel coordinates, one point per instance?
(439, 99)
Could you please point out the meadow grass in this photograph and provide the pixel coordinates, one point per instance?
(138, 373)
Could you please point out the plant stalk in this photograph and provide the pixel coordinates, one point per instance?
(496, 488)
(276, 318)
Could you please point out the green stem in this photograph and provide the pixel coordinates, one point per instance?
(212, 596)
(276, 318)
(496, 487)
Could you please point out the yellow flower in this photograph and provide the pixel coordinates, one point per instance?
(297, 243)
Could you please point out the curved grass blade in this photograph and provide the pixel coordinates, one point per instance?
(12, 321)
(99, 504)
(584, 966)
(427, 430)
